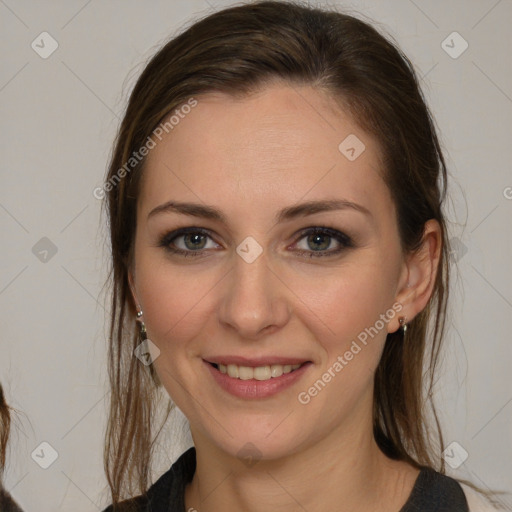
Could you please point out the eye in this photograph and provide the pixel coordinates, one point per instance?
(319, 239)
(186, 241)
(318, 242)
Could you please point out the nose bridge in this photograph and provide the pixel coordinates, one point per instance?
(253, 300)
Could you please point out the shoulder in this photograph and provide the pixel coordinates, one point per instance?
(168, 490)
(138, 504)
(436, 492)
(476, 502)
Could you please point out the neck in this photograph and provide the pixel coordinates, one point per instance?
(344, 471)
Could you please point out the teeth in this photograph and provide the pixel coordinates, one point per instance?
(232, 370)
(258, 373)
(245, 373)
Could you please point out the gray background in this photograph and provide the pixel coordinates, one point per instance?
(59, 117)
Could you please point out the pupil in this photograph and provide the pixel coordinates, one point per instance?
(195, 238)
(316, 238)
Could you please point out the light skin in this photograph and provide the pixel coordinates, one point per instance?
(250, 158)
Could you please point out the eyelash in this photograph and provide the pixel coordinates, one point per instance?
(344, 240)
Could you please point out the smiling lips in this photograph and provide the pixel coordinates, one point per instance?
(257, 368)
(259, 372)
(256, 378)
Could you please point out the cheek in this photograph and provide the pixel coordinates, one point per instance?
(176, 301)
(343, 311)
(347, 299)
(344, 315)
(170, 306)
(174, 312)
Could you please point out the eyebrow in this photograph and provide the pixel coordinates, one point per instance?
(286, 214)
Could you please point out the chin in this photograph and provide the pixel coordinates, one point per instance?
(255, 440)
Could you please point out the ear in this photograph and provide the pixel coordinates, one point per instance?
(419, 275)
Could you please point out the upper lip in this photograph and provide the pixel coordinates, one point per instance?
(255, 361)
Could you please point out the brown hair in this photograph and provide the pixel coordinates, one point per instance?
(5, 426)
(7, 504)
(237, 51)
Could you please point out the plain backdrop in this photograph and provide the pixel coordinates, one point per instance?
(59, 116)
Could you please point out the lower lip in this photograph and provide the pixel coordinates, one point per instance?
(252, 388)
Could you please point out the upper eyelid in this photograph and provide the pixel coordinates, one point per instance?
(339, 236)
(299, 235)
(170, 236)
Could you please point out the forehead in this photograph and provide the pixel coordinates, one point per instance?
(279, 145)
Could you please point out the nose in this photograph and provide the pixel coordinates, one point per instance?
(254, 301)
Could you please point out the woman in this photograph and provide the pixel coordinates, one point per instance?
(275, 204)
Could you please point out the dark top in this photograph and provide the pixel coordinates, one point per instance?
(432, 491)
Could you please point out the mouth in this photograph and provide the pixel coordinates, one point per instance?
(259, 373)
(256, 378)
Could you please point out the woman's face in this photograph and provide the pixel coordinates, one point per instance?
(253, 283)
